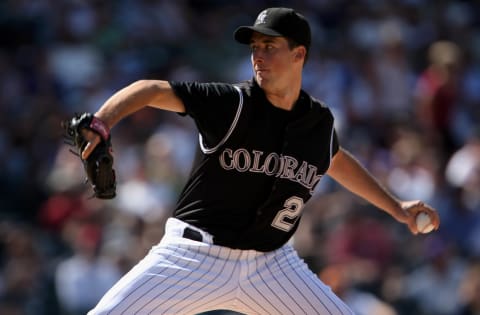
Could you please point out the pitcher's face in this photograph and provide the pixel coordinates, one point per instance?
(272, 60)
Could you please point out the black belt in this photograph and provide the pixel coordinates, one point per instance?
(193, 235)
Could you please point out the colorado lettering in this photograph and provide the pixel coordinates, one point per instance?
(272, 164)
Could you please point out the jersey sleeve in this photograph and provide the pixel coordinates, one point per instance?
(213, 106)
(334, 144)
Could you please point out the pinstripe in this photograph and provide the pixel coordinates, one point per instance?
(261, 288)
(183, 287)
(256, 289)
(187, 276)
(130, 294)
(207, 272)
(178, 281)
(297, 289)
(280, 284)
(315, 283)
(245, 294)
(253, 301)
(304, 281)
(142, 296)
(329, 296)
(155, 276)
(152, 278)
(266, 282)
(251, 311)
(220, 285)
(136, 289)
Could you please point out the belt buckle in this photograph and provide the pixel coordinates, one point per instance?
(192, 234)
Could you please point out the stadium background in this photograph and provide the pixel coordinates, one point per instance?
(60, 251)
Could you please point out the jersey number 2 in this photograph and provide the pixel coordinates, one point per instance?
(293, 207)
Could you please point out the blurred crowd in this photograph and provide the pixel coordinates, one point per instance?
(402, 78)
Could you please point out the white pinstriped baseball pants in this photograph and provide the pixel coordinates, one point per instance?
(181, 276)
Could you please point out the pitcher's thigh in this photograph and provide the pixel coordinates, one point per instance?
(285, 285)
(164, 282)
(307, 287)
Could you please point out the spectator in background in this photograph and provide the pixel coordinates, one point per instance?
(339, 278)
(437, 95)
(414, 164)
(24, 274)
(434, 285)
(470, 291)
(84, 277)
(463, 175)
(362, 241)
(394, 76)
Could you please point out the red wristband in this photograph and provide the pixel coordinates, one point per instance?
(100, 127)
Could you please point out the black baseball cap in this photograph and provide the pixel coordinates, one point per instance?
(284, 22)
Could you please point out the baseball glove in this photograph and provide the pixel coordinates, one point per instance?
(99, 164)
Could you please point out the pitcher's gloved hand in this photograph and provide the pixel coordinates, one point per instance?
(99, 164)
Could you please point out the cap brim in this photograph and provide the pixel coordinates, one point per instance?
(243, 34)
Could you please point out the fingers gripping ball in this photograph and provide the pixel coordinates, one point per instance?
(424, 224)
(99, 164)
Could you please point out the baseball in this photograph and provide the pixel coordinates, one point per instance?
(424, 225)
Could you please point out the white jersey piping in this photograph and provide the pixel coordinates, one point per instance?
(230, 130)
(331, 145)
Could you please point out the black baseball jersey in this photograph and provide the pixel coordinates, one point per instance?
(257, 165)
